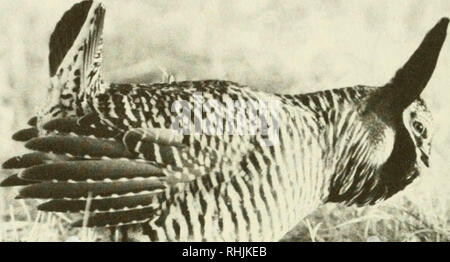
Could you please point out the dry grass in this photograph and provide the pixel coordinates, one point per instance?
(293, 46)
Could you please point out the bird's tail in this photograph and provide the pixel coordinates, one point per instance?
(75, 59)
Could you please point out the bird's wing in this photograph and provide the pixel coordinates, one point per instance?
(120, 178)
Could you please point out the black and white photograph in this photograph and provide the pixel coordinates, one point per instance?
(224, 121)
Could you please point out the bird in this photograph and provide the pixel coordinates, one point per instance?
(128, 154)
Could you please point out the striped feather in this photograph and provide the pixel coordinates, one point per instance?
(15, 180)
(93, 170)
(126, 217)
(75, 190)
(88, 125)
(79, 146)
(158, 136)
(26, 134)
(33, 159)
(102, 204)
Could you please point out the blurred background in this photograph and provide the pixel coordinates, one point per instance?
(277, 46)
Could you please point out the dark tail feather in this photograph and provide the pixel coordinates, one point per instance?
(96, 170)
(32, 121)
(48, 190)
(79, 146)
(14, 180)
(89, 125)
(64, 125)
(75, 56)
(32, 159)
(26, 134)
(66, 32)
(105, 204)
(125, 217)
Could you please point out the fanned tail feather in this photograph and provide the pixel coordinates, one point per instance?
(76, 41)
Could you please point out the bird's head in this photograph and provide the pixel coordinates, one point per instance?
(399, 102)
(399, 128)
(401, 108)
(418, 120)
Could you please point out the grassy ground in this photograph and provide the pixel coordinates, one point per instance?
(275, 46)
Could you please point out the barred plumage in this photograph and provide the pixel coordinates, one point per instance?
(116, 143)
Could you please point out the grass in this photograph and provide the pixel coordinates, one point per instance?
(299, 45)
(396, 223)
(22, 223)
(399, 220)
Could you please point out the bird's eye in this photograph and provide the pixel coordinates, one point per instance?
(419, 127)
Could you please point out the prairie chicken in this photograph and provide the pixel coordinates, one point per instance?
(111, 149)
